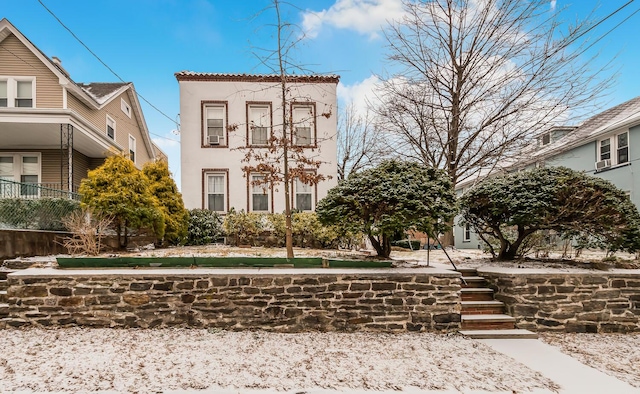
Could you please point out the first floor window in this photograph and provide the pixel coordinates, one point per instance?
(19, 167)
(303, 196)
(467, 233)
(29, 176)
(216, 192)
(259, 193)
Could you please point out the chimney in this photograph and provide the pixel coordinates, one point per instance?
(56, 60)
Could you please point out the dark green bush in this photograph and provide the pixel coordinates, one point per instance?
(415, 244)
(205, 227)
(36, 214)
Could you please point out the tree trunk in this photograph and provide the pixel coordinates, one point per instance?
(383, 248)
(508, 251)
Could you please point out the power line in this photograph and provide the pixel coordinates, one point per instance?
(609, 32)
(105, 64)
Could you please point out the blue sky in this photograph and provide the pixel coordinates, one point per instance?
(147, 41)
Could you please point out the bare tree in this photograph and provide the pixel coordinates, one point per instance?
(287, 156)
(477, 80)
(360, 142)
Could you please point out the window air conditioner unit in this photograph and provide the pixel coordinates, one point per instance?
(214, 140)
(602, 164)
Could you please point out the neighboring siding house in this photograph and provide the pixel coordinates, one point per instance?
(53, 130)
(606, 145)
(222, 115)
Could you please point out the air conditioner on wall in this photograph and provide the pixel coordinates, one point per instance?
(214, 140)
(602, 164)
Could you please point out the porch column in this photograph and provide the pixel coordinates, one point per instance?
(66, 156)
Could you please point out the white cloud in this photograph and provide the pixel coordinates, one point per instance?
(552, 4)
(359, 94)
(363, 16)
(166, 143)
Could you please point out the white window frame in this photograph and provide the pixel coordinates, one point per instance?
(306, 121)
(109, 118)
(262, 122)
(132, 144)
(259, 190)
(18, 169)
(205, 112)
(466, 233)
(311, 193)
(223, 193)
(12, 89)
(613, 142)
(125, 107)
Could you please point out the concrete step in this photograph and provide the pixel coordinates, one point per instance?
(473, 281)
(487, 322)
(482, 307)
(4, 273)
(476, 294)
(499, 334)
(467, 271)
(4, 310)
(3, 297)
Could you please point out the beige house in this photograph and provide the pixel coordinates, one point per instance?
(225, 116)
(54, 130)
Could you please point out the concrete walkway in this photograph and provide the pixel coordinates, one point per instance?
(572, 375)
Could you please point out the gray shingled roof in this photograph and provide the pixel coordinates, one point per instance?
(593, 127)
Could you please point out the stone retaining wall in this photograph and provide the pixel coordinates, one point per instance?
(271, 299)
(584, 301)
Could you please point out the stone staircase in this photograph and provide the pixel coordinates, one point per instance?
(4, 285)
(482, 316)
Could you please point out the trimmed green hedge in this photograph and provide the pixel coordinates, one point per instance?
(218, 262)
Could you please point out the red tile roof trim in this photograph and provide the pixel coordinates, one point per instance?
(214, 77)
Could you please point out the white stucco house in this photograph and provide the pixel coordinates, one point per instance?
(223, 116)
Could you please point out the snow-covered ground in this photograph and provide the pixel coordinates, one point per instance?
(149, 361)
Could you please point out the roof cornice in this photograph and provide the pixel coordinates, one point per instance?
(216, 77)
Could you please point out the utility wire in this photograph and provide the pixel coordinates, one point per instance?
(105, 64)
(609, 32)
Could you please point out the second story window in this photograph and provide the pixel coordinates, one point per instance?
(132, 148)
(111, 128)
(4, 98)
(623, 148)
(304, 125)
(613, 151)
(605, 149)
(24, 96)
(17, 92)
(214, 124)
(259, 123)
